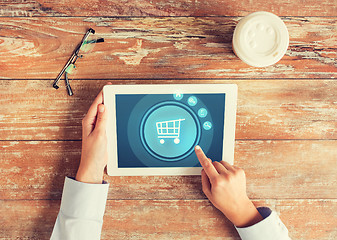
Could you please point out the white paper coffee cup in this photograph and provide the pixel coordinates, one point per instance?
(260, 39)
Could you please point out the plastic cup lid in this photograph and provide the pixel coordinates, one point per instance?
(260, 39)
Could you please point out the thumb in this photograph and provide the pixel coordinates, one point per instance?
(101, 119)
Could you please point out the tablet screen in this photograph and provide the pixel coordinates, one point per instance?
(161, 130)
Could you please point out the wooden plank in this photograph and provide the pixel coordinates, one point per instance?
(274, 109)
(161, 219)
(165, 8)
(274, 169)
(148, 48)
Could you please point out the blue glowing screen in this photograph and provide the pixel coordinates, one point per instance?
(161, 130)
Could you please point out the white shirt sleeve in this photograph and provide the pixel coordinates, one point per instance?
(271, 227)
(81, 212)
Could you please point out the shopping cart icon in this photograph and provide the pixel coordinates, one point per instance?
(169, 129)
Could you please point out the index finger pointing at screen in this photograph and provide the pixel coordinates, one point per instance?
(206, 163)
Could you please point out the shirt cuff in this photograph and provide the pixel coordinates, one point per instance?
(84, 200)
(271, 227)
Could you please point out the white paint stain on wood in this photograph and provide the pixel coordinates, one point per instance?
(11, 144)
(135, 54)
(313, 55)
(180, 45)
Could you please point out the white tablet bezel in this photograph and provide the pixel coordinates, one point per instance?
(109, 93)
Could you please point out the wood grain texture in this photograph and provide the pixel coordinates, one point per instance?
(267, 109)
(165, 8)
(274, 169)
(286, 121)
(152, 48)
(161, 219)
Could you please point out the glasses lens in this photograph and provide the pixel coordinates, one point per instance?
(88, 44)
(71, 72)
(71, 69)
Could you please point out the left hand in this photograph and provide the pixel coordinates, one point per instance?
(94, 155)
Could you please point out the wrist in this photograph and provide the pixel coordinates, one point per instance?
(247, 215)
(89, 175)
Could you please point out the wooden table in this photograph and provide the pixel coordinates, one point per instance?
(286, 138)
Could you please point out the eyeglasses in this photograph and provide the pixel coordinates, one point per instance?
(86, 45)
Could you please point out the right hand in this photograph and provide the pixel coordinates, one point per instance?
(225, 186)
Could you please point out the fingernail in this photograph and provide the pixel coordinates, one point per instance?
(197, 147)
(101, 108)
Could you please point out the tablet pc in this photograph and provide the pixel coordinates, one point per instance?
(153, 129)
